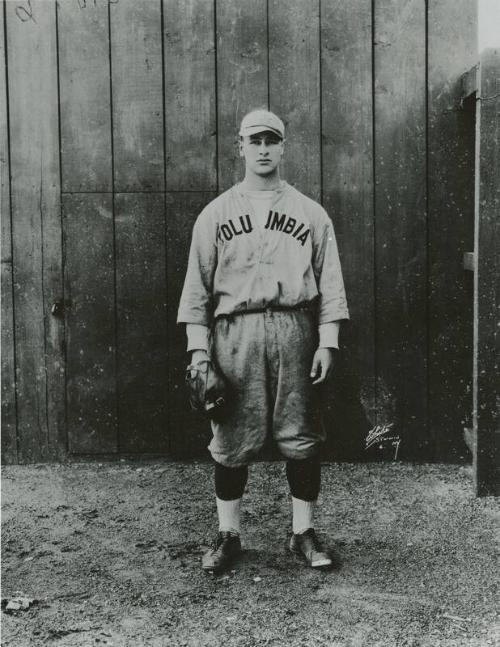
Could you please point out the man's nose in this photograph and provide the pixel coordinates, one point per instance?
(263, 147)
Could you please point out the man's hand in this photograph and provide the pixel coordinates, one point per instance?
(207, 387)
(322, 365)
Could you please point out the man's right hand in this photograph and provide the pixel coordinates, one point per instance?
(206, 386)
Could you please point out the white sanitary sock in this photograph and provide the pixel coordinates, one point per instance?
(229, 515)
(303, 515)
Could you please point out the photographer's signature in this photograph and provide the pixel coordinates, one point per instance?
(379, 435)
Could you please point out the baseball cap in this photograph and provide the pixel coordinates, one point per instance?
(258, 121)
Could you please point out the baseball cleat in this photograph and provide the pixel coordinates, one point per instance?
(308, 546)
(226, 547)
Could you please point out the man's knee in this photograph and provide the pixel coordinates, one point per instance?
(230, 481)
(304, 477)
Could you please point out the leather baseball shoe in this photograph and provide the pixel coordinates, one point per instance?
(308, 546)
(226, 547)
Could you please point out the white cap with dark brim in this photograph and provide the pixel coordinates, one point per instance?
(260, 121)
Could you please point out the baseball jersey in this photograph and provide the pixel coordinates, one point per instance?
(235, 265)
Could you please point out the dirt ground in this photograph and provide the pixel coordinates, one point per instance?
(110, 554)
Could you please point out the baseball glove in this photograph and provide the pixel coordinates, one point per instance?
(207, 389)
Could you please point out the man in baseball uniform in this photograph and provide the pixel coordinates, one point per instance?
(263, 298)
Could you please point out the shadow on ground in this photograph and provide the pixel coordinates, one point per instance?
(110, 555)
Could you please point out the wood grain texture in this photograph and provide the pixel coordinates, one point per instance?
(137, 83)
(9, 417)
(85, 95)
(190, 101)
(188, 434)
(356, 140)
(487, 287)
(36, 228)
(90, 323)
(346, 38)
(242, 77)
(400, 214)
(452, 47)
(294, 81)
(141, 296)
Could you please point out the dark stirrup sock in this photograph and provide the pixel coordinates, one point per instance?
(304, 477)
(230, 481)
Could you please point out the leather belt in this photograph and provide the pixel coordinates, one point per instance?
(304, 305)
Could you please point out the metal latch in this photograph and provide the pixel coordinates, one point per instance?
(57, 309)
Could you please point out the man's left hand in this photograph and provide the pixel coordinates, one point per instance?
(322, 365)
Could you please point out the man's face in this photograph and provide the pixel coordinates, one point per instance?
(262, 152)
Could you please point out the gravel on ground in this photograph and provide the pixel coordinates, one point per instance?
(109, 554)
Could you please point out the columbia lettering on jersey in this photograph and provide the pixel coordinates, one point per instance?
(229, 229)
(237, 263)
(275, 221)
(287, 225)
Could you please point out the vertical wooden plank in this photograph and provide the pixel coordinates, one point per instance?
(188, 434)
(9, 419)
(190, 105)
(347, 136)
(242, 76)
(137, 83)
(88, 225)
(85, 95)
(36, 228)
(294, 88)
(90, 322)
(487, 285)
(400, 216)
(141, 322)
(452, 50)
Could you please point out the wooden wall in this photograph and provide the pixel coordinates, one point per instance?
(486, 416)
(119, 123)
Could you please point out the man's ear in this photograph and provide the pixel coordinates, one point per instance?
(240, 146)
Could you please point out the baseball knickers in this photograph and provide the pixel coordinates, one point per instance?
(266, 358)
